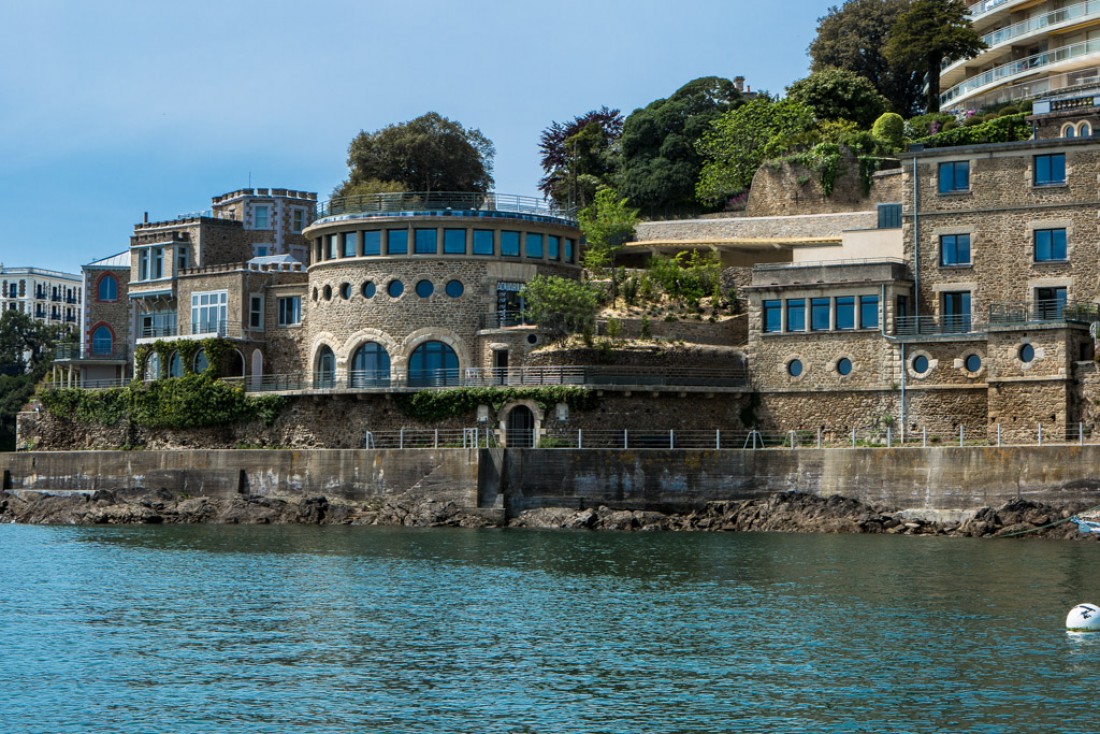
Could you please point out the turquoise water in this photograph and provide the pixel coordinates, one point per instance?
(275, 629)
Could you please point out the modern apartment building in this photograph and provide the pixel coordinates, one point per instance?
(45, 295)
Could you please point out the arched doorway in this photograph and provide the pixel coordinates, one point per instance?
(521, 428)
(257, 368)
(370, 366)
(324, 376)
(433, 364)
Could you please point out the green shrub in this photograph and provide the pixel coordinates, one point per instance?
(889, 131)
(1009, 128)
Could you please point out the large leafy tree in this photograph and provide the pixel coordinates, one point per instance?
(579, 156)
(25, 350)
(740, 140)
(660, 159)
(926, 34)
(838, 94)
(429, 153)
(562, 306)
(852, 37)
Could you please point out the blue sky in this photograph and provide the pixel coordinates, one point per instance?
(112, 109)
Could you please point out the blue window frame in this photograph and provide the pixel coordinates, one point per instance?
(1050, 169)
(844, 366)
(372, 242)
(433, 364)
(819, 314)
(796, 314)
(370, 366)
(532, 245)
(794, 368)
(397, 242)
(889, 216)
(102, 340)
(569, 250)
(108, 288)
(773, 316)
(509, 243)
(553, 247)
(955, 249)
(868, 312)
(956, 312)
(395, 288)
(424, 288)
(426, 242)
(1050, 245)
(455, 288)
(175, 365)
(483, 242)
(954, 176)
(845, 313)
(351, 244)
(454, 242)
(921, 365)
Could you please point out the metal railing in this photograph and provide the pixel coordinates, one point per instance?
(1043, 311)
(985, 6)
(503, 320)
(156, 332)
(431, 438)
(77, 351)
(211, 327)
(443, 202)
(1021, 66)
(936, 325)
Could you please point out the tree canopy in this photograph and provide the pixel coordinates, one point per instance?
(839, 94)
(660, 159)
(429, 153)
(740, 140)
(852, 37)
(562, 306)
(579, 156)
(25, 352)
(927, 33)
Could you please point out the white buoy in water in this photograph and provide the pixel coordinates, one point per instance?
(1083, 618)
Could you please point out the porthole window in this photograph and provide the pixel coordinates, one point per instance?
(1027, 353)
(532, 339)
(328, 293)
(424, 288)
(369, 289)
(345, 291)
(844, 366)
(395, 288)
(455, 288)
(973, 363)
(794, 368)
(920, 364)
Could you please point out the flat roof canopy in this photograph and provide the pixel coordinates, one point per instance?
(737, 251)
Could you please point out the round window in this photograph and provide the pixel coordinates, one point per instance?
(424, 288)
(369, 289)
(794, 367)
(328, 293)
(844, 366)
(973, 363)
(455, 288)
(395, 288)
(532, 339)
(1027, 353)
(920, 364)
(345, 291)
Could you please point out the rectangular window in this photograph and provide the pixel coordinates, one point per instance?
(209, 312)
(181, 259)
(845, 313)
(889, 216)
(372, 242)
(796, 314)
(261, 216)
(157, 266)
(569, 250)
(397, 242)
(351, 244)
(483, 242)
(509, 243)
(955, 249)
(954, 176)
(426, 242)
(290, 311)
(1050, 245)
(868, 312)
(553, 247)
(454, 242)
(956, 312)
(297, 220)
(1050, 169)
(1050, 303)
(143, 268)
(532, 245)
(773, 316)
(819, 314)
(256, 312)
(333, 247)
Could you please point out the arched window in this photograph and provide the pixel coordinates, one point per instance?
(370, 366)
(102, 340)
(1084, 130)
(324, 376)
(152, 367)
(108, 288)
(201, 362)
(433, 364)
(175, 365)
(1069, 131)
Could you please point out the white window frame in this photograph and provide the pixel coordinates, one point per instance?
(296, 310)
(256, 311)
(207, 303)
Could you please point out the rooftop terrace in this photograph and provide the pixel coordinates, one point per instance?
(444, 203)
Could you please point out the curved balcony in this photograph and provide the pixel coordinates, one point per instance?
(977, 10)
(443, 203)
(1032, 65)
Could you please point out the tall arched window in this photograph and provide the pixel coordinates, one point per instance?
(175, 365)
(433, 364)
(324, 376)
(108, 288)
(201, 362)
(102, 340)
(370, 367)
(152, 367)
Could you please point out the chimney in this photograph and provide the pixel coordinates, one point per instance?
(146, 217)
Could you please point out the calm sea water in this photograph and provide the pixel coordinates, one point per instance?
(276, 629)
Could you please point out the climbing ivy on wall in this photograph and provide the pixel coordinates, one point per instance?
(216, 350)
(191, 401)
(434, 405)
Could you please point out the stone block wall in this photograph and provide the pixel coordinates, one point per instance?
(719, 228)
(788, 188)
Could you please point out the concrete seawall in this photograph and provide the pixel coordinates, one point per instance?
(921, 481)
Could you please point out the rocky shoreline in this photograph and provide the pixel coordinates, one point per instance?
(785, 512)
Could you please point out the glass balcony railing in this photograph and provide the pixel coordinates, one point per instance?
(1077, 11)
(449, 202)
(1029, 65)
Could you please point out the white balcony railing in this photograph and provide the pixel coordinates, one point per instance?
(1020, 67)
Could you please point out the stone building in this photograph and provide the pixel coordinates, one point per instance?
(104, 351)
